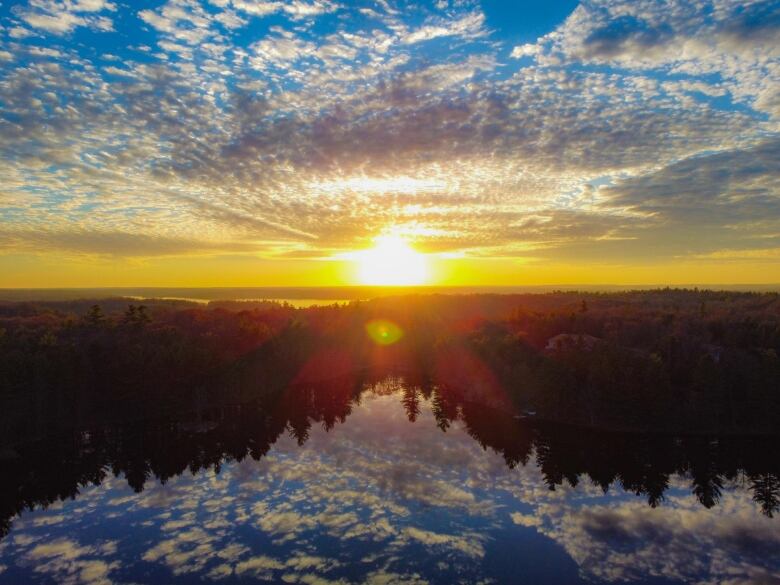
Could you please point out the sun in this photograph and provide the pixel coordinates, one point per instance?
(391, 262)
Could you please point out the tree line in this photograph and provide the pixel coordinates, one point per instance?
(673, 361)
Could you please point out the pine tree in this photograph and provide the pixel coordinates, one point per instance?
(95, 316)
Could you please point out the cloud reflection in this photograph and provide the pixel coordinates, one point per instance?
(380, 499)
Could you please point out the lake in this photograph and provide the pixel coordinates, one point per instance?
(389, 485)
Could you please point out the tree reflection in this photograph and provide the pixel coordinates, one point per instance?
(55, 467)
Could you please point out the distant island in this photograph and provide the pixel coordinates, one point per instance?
(673, 361)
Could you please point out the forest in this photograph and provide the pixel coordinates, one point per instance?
(669, 361)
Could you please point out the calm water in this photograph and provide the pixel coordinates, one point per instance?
(389, 486)
(295, 302)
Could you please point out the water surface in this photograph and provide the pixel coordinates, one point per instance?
(391, 485)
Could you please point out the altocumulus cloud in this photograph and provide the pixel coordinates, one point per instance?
(242, 127)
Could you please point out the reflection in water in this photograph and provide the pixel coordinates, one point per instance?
(333, 483)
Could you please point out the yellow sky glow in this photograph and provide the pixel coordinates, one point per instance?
(65, 270)
(288, 145)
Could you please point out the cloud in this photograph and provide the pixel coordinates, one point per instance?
(258, 566)
(279, 50)
(69, 563)
(63, 17)
(735, 40)
(295, 9)
(645, 32)
(469, 26)
(723, 188)
(526, 50)
(630, 541)
(185, 22)
(469, 545)
(525, 519)
(112, 243)
(277, 136)
(626, 35)
(186, 552)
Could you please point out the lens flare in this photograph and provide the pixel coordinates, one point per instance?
(384, 332)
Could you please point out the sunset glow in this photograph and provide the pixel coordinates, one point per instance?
(234, 143)
(344, 291)
(391, 262)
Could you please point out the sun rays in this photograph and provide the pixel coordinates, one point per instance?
(391, 262)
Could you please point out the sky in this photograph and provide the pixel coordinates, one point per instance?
(266, 142)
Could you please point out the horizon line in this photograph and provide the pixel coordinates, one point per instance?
(397, 287)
